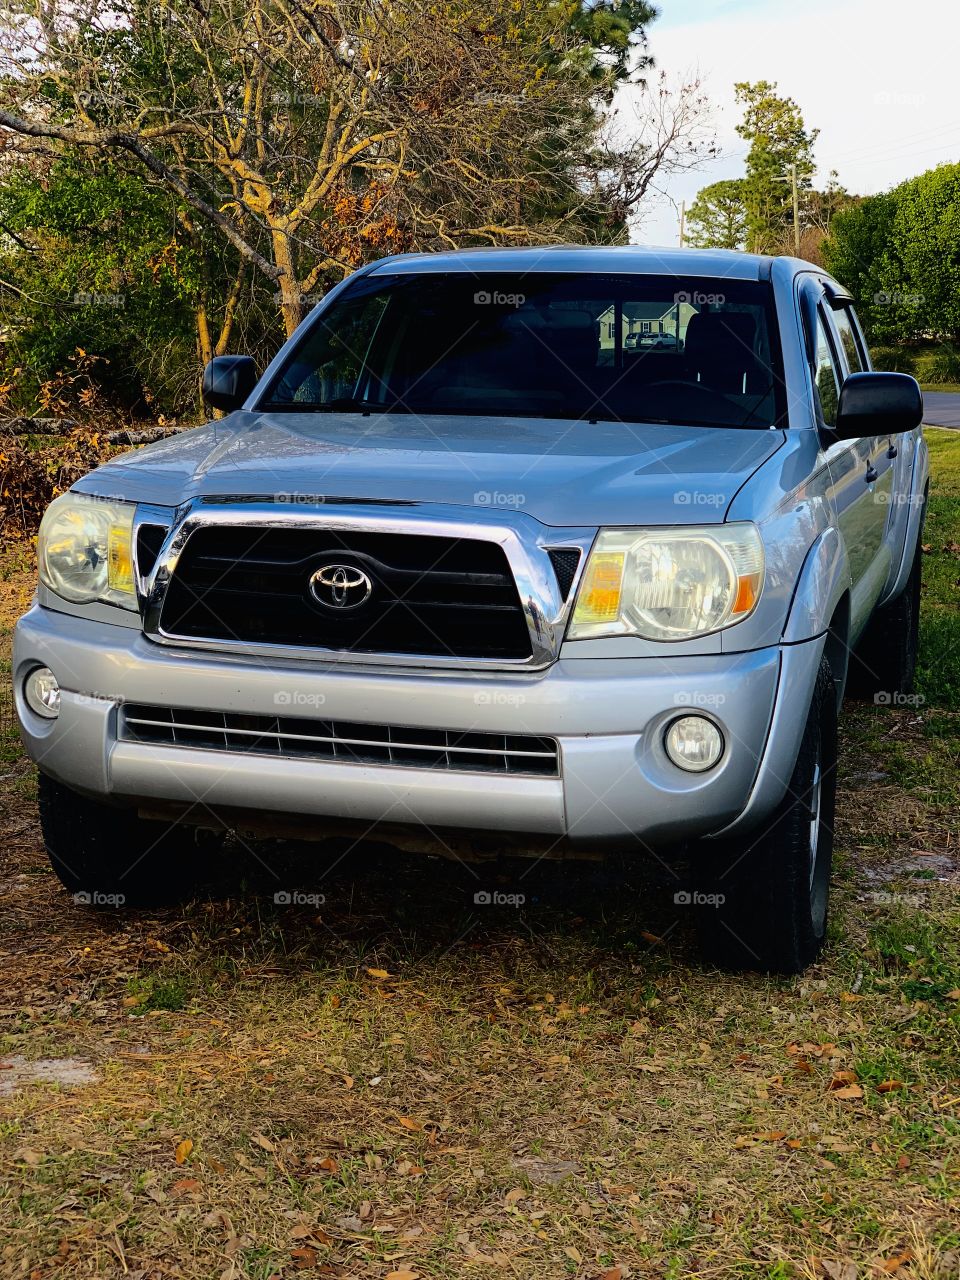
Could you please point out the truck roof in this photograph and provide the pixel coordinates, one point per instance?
(633, 259)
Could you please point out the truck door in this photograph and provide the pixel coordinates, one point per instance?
(861, 477)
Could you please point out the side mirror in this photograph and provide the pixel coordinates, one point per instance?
(878, 404)
(228, 380)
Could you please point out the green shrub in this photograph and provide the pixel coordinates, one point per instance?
(893, 359)
(939, 365)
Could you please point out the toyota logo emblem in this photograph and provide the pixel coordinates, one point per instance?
(340, 586)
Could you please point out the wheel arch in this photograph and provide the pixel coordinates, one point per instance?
(836, 647)
(822, 587)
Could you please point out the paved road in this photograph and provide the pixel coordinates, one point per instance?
(942, 408)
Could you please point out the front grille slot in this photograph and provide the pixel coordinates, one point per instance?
(291, 737)
(435, 596)
(566, 562)
(149, 543)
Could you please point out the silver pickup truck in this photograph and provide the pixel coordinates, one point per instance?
(553, 547)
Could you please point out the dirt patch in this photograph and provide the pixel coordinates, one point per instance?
(70, 1073)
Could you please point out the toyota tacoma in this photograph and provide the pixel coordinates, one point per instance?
(564, 548)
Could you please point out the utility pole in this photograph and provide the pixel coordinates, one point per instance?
(796, 208)
(683, 220)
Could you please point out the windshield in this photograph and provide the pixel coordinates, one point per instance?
(589, 347)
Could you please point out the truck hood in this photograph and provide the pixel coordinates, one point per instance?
(559, 472)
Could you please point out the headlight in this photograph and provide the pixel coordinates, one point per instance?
(669, 584)
(85, 550)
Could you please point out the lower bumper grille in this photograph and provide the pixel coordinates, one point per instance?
(295, 738)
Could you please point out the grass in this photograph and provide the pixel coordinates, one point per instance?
(400, 1081)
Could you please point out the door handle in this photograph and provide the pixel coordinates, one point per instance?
(872, 474)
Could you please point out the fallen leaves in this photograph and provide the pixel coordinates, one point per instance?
(304, 1257)
(849, 1093)
(841, 1078)
(378, 973)
(752, 1139)
(843, 1085)
(182, 1151)
(843, 1270)
(896, 1261)
(810, 1050)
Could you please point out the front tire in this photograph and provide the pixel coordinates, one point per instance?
(769, 890)
(109, 857)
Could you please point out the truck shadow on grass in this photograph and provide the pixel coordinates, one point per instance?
(374, 896)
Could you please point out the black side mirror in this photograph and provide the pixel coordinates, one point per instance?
(228, 380)
(878, 404)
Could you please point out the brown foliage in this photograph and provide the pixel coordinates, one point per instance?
(36, 469)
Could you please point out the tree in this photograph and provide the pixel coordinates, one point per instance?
(779, 140)
(899, 254)
(96, 259)
(312, 135)
(717, 219)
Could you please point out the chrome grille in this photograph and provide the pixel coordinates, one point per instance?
(435, 596)
(291, 737)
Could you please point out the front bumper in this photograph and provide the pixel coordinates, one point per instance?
(608, 716)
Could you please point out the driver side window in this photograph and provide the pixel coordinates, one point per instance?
(826, 375)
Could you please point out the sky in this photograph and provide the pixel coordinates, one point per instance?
(880, 79)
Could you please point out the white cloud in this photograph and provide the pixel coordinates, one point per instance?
(877, 78)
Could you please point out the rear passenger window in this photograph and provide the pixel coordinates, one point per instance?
(827, 375)
(848, 339)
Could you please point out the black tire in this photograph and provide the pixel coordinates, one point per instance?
(773, 885)
(885, 660)
(109, 857)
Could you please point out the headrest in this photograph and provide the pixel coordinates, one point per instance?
(715, 337)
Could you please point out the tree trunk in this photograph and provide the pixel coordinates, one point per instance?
(289, 296)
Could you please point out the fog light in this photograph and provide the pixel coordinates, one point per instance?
(42, 693)
(693, 743)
